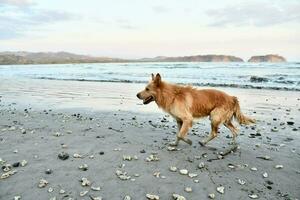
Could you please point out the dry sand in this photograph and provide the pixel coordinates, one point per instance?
(104, 124)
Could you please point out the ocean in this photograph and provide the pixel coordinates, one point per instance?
(274, 76)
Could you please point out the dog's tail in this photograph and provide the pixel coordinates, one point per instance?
(242, 119)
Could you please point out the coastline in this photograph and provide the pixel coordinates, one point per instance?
(105, 121)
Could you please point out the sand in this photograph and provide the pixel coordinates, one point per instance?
(105, 123)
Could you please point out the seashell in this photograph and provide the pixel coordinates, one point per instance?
(201, 165)
(128, 158)
(173, 169)
(63, 156)
(188, 189)
(156, 174)
(152, 157)
(43, 183)
(76, 155)
(196, 181)
(170, 148)
(50, 189)
(253, 196)
(8, 174)
(211, 195)
(83, 193)
(96, 198)
(183, 171)
(265, 175)
(152, 197)
(231, 166)
(83, 167)
(221, 189)
(23, 163)
(85, 182)
(6, 167)
(192, 175)
(178, 197)
(253, 169)
(57, 134)
(17, 198)
(127, 197)
(241, 182)
(61, 191)
(278, 166)
(95, 188)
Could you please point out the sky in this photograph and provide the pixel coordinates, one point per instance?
(149, 28)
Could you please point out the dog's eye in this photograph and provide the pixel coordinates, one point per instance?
(147, 89)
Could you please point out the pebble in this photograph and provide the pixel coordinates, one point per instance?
(17, 197)
(265, 175)
(201, 165)
(211, 195)
(253, 169)
(152, 157)
(57, 134)
(83, 193)
(178, 197)
(278, 166)
(76, 155)
(95, 188)
(50, 189)
(23, 163)
(122, 175)
(221, 189)
(192, 175)
(85, 182)
(128, 158)
(83, 167)
(43, 183)
(127, 197)
(253, 196)
(63, 156)
(152, 196)
(241, 182)
(183, 171)
(8, 174)
(48, 171)
(95, 198)
(188, 189)
(61, 191)
(173, 169)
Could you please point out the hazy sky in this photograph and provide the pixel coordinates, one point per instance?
(147, 28)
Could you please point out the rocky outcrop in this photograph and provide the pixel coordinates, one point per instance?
(267, 58)
(197, 58)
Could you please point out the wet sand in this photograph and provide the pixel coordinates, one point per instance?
(104, 126)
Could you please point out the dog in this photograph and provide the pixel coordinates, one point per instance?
(186, 103)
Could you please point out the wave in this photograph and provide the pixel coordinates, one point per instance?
(231, 85)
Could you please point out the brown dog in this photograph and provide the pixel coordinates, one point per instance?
(186, 103)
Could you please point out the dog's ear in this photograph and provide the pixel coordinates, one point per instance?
(157, 79)
(152, 76)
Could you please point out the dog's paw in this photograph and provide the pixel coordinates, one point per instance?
(189, 141)
(173, 144)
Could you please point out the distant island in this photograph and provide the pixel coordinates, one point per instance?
(23, 57)
(267, 58)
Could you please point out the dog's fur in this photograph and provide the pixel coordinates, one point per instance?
(186, 103)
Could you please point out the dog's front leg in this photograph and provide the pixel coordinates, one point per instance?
(181, 135)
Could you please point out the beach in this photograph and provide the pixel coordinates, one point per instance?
(77, 136)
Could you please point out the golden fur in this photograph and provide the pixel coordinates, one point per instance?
(186, 103)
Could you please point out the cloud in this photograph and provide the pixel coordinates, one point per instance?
(255, 14)
(160, 9)
(125, 24)
(17, 3)
(15, 22)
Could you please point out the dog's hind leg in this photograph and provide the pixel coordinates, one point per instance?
(233, 130)
(179, 125)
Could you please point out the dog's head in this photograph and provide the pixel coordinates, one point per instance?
(149, 94)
